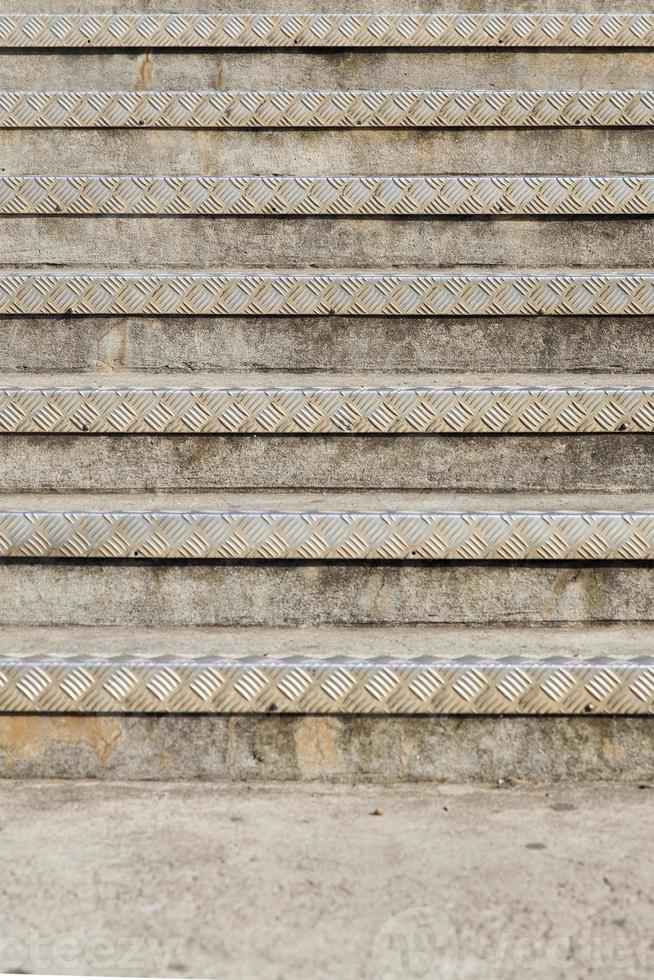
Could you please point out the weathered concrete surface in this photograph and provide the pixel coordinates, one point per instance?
(445, 882)
(151, 594)
(626, 645)
(115, 345)
(316, 69)
(60, 463)
(244, 243)
(322, 6)
(462, 748)
(396, 151)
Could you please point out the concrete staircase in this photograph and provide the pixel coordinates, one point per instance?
(327, 383)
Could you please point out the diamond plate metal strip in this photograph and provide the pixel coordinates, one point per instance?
(341, 686)
(285, 30)
(326, 109)
(318, 536)
(323, 195)
(332, 294)
(328, 410)
(327, 30)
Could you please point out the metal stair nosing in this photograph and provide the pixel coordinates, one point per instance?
(341, 408)
(326, 528)
(351, 109)
(368, 294)
(326, 671)
(326, 30)
(335, 195)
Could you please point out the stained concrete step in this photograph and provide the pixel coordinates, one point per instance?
(325, 30)
(198, 463)
(392, 108)
(147, 593)
(324, 671)
(257, 243)
(328, 151)
(224, 152)
(132, 345)
(387, 69)
(364, 526)
(340, 195)
(309, 423)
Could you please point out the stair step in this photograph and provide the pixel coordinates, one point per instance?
(84, 294)
(326, 151)
(253, 244)
(328, 109)
(338, 195)
(393, 670)
(236, 70)
(413, 345)
(366, 526)
(358, 30)
(144, 593)
(299, 405)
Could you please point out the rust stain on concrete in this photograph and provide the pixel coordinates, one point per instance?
(146, 68)
(112, 347)
(611, 750)
(316, 746)
(29, 736)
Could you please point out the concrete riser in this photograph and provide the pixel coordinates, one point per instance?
(31, 463)
(162, 244)
(462, 749)
(399, 151)
(340, 69)
(113, 345)
(151, 594)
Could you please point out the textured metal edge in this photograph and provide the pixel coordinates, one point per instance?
(289, 30)
(320, 536)
(326, 411)
(326, 109)
(328, 195)
(331, 294)
(341, 686)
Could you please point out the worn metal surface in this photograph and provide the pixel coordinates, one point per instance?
(323, 109)
(346, 295)
(313, 686)
(325, 671)
(317, 535)
(281, 30)
(328, 410)
(328, 195)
